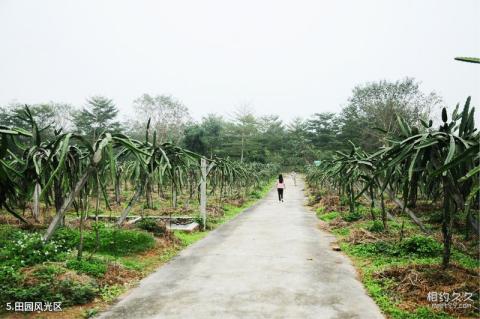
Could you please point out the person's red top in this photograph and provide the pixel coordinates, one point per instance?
(280, 185)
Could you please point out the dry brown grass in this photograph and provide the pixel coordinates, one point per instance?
(413, 283)
(361, 236)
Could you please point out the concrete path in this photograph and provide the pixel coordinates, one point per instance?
(271, 261)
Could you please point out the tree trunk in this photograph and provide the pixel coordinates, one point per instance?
(117, 190)
(97, 206)
(412, 198)
(80, 242)
(384, 212)
(351, 199)
(132, 202)
(372, 202)
(446, 227)
(58, 198)
(36, 201)
(66, 204)
(148, 195)
(174, 196)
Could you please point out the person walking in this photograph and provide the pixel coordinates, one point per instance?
(294, 176)
(280, 187)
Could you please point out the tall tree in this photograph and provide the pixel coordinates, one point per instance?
(214, 130)
(194, 139)
(377, 104)
(98, 116)
(49, 116)
(243, 130)
(169, 117)
(323, 129)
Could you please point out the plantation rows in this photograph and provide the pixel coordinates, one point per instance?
(434, 165)
(67, 171)
(65, 201)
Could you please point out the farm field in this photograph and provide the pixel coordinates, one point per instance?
(240, 159)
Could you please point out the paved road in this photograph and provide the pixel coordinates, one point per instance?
(271, 261)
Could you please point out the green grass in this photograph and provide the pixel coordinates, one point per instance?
(369, 264)
(372, 258)
(328, 216)
(189, 238)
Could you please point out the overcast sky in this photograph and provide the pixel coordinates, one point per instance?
(291, 58)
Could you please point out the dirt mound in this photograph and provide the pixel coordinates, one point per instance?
(215, 211)
(330, 203)
(117, 274)
(337, 223)
(33, 275)
(415, 283)
(361, 236)
(236, 202)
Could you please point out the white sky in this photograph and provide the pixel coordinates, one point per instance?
(291, 58)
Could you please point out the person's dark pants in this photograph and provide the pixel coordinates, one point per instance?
(280, 194)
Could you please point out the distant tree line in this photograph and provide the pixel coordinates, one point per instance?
(368, 114)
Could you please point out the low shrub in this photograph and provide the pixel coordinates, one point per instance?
(421, 246)
(376, 248)
(50, 283)
(77, 293)
(20, 248)
(112, 240)
(10, 281)
(376, 226)
(329, 216)
(111, 292)
(352, 217)
(93, 267)
(68, 236)
(320, 211)
(255, 195)
(121, 242)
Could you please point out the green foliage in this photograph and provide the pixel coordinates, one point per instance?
(99, 116)
(189, 238)
(112, 240)
(19, 248)
(10, 280)
(76, 293)
(68, 236)
(376, 248)
(110, 293)
(93, 267)
(90, 313)
(341, 231)
(255, 195)
(47, 284)
(329, 216)
(352, 217)
(421, 246)
(468, 59)
(344, 200)
(418, 245)
(376, 226)
(119, 242)
(428, 160)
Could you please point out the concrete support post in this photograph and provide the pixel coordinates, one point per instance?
(203, 192)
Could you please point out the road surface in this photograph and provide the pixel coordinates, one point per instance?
(271, 261)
